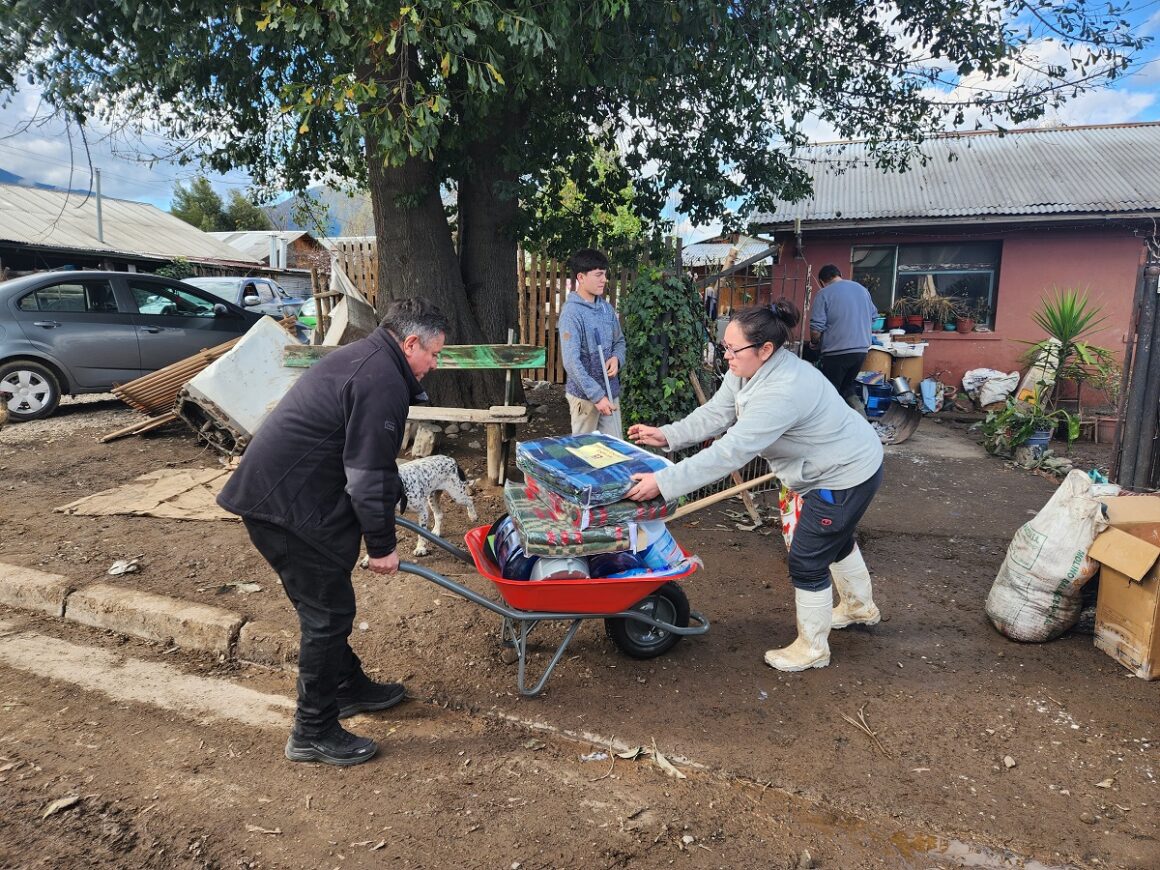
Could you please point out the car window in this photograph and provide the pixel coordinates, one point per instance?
(223, 288)
(73, 296)
(262, 290)
(160, 299)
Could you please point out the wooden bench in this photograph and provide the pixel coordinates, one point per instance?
(500, 420)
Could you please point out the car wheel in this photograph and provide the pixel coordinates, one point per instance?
(30, 389)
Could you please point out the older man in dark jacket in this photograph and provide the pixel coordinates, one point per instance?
(319, 478)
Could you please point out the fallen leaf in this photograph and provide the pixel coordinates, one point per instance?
(61, 804)
(1106, 783)
(632, 754)
(254, 829)
(533, 744)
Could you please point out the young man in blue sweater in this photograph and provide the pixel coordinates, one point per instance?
(592, 346)
(840, 328)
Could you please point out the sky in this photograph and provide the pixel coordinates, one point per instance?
(40, 149)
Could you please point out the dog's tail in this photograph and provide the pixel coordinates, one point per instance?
(459, 471)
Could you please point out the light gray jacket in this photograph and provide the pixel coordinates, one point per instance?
(787, 413)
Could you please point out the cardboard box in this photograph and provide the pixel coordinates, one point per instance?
(909, 367)
(1128, 606)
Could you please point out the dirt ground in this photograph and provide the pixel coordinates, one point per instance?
(989, 753)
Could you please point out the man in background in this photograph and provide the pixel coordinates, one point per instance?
(840, 322)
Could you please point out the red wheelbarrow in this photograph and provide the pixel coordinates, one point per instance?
(644, 616)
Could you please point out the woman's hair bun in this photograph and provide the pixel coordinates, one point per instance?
(785, 311)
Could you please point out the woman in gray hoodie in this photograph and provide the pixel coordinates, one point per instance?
(773, 405)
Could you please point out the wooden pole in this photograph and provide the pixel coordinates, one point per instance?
(687, 509)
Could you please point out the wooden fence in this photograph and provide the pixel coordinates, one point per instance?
(356, 256)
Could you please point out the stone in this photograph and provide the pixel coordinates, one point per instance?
(262, 643)
(155, 617)
(29, 589)
(451, 429)
(425, 440)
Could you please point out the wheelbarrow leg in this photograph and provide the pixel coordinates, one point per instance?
(519, 642)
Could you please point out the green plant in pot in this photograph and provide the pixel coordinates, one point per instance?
(1018, 423)
(1067, 316)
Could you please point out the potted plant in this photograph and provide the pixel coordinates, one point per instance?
(1107, 377)
(1067, 317)
(1029, 423)
(894, 318)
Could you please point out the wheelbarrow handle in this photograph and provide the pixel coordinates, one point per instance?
(461, 555)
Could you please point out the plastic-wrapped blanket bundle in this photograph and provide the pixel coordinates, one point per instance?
(589, 470)
(578, 517)
(546, 533)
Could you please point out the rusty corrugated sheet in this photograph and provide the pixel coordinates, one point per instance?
(1112, 169)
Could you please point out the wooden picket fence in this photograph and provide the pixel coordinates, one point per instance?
(356, 256)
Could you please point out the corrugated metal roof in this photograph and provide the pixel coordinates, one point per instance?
(715, 252)
(57, 219)
(256, 243)
(1064, 170)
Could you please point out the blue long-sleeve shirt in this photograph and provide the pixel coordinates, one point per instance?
(582, 327)
(842, 312)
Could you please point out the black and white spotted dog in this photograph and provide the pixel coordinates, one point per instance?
(423, 480)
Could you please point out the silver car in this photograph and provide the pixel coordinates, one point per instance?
(256, 294)
(84, 332)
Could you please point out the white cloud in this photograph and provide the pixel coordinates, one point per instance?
(39, 147)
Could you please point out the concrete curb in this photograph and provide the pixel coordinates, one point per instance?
(29, 589)
(137, 614)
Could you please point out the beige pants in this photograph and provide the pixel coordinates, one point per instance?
(585, 418)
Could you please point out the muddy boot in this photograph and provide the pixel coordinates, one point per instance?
(812, 647)
(855, 599)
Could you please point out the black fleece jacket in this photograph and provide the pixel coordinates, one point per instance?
(323, 463)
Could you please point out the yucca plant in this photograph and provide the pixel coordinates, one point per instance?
(1067, 316)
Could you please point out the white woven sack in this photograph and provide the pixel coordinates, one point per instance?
(1036, 595)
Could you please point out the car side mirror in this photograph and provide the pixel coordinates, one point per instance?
(250, 300)
(220, 310)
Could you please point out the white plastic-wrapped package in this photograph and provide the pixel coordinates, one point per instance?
(1036, 595)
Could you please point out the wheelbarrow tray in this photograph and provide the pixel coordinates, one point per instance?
(588, 595)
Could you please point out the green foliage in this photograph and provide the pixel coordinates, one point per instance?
(200, 205)
(1011, 426)
(704, 99)
(664, 330)
(1067, 316)
(179, 268)
(242, 214)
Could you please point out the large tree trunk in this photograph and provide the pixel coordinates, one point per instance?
(417, 258)
(487, 242)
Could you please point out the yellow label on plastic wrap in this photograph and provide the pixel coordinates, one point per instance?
(598, 455)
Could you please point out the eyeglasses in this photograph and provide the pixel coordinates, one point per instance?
(733, 351)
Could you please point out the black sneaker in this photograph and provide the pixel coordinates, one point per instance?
(336, 746)
(361, 694)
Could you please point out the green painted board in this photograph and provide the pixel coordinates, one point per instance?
(453, 357)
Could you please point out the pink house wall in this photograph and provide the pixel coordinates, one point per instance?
(1104, 261)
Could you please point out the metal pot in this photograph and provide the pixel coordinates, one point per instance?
(901, 385)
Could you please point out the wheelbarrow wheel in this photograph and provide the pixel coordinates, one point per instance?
(643, 641)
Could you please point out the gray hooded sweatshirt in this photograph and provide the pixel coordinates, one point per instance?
(583, 326)
(787, 413)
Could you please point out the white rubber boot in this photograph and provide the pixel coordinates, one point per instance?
(855, 597)
(812, 647)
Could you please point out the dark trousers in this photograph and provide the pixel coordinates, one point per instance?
(840, 369)
(322, 593)
(825, 531)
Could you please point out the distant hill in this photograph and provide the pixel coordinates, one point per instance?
(324, 212)
(7, 177)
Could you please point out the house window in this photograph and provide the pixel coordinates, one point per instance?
(968, 271)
